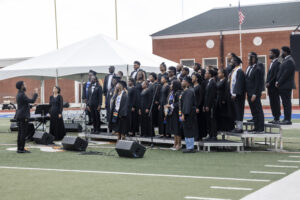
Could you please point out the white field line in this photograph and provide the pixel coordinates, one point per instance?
(294, 156)
(203, 198)
(136, 174)
(281, 166)
(230, 188)
(264, 172)
(289, 161)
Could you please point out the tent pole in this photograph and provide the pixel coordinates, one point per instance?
(81, 90)
(42, 91)
(127, 73)
(56, 78)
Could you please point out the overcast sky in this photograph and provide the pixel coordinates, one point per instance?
(28, 26)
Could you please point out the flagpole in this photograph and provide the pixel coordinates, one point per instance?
(55, 14)
(241, 50)
(116, 18)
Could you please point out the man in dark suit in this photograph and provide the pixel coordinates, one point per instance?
(254, 79)
(85, 94)
(108, 79)
(137, 68)
(23, 114)
(270, 84)
(209, 103)
(95, 102)
(285, 83)
(237, 90)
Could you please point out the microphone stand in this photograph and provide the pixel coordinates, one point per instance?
(150, 115)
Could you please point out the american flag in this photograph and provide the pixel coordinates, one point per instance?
(241, 15)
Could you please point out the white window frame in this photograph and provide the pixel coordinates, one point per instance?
(188, 59)
(203, 59)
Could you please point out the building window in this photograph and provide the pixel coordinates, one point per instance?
(188, 62)
(210, 62)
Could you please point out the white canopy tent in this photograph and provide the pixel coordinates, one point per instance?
(96, 53)
(74, 61)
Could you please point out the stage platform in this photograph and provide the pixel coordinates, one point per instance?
(272, 131)
(221, 143)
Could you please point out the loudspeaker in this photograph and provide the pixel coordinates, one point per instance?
(73, 127)
(14, 126)
(43, 138)
(295, 48)
(130, 149)
(74, 143)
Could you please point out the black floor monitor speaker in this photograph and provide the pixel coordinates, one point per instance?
(295, 48)
(43, 138)
(74, 143)
(130, 149)
(73, 127)
(14, 126)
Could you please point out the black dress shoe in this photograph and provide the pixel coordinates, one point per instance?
(285, 122)
(250, 120)
(188, 151)
(23, 151)
(237, 131)
(274, 121)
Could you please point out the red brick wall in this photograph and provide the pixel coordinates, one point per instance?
(195, 47)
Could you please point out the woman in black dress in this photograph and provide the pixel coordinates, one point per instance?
(224, 114)
(199, 95)
(171, 110)
(132, 108)
(146, 100)
(164, 92)
(57, 127)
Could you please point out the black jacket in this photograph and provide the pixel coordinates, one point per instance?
(131, 75)
(146, 99)
(210, 93)
(23, 109)
(95, 98)
(272, 74)
(132, 97)
(123, 110)
(253, 80)
(262, 69)
(239, 87)
(105, 85)
(286, 74)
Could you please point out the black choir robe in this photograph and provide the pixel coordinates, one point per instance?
(146, 121)
(164, 92)
(173, 124)
(199, 94)
(188, 109)
(133, 115)
(210, 102)
(155, 88)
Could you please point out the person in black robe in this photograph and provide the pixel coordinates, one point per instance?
(23, 114)
(85, 95)
(57, 126)
(172, 74)
(155, 87)
(95, 103)
(171, 110)
(199, 96)
(164, 92)
(141, 77)
(119, 110)
(188, 114)
(210, 104)
(163, 71)
(224, 107)
(145, 105)
(109, 95)
(132, 108)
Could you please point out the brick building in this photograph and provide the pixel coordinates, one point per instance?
(208, 38)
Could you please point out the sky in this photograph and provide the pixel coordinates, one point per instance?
(28, 26)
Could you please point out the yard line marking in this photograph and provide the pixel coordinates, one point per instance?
(294, 156)
(203, 198)
(136, 174)
(282, 166)
(289, 161)
(263, 172)
(230, 188)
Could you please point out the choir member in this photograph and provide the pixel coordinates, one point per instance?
(108, 80)
(237, 91)
(184, 73)
(110, 95)
(172, 74)
(85, 94)
(270, 84)
(155, 87)
(119, 108)
(224, 106)
(137, 68)
(188, 115)
(163, 71)
(198, 69)
(171, 110)
(199, 95)
(179, 68)
(229, 67)
(209, 104)
(132, 108)
(145, 104)
(285, 82)
(57, 127)
(23, 114)
(120, 74)
(254, 79)
(94, 103)
(164, 92)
